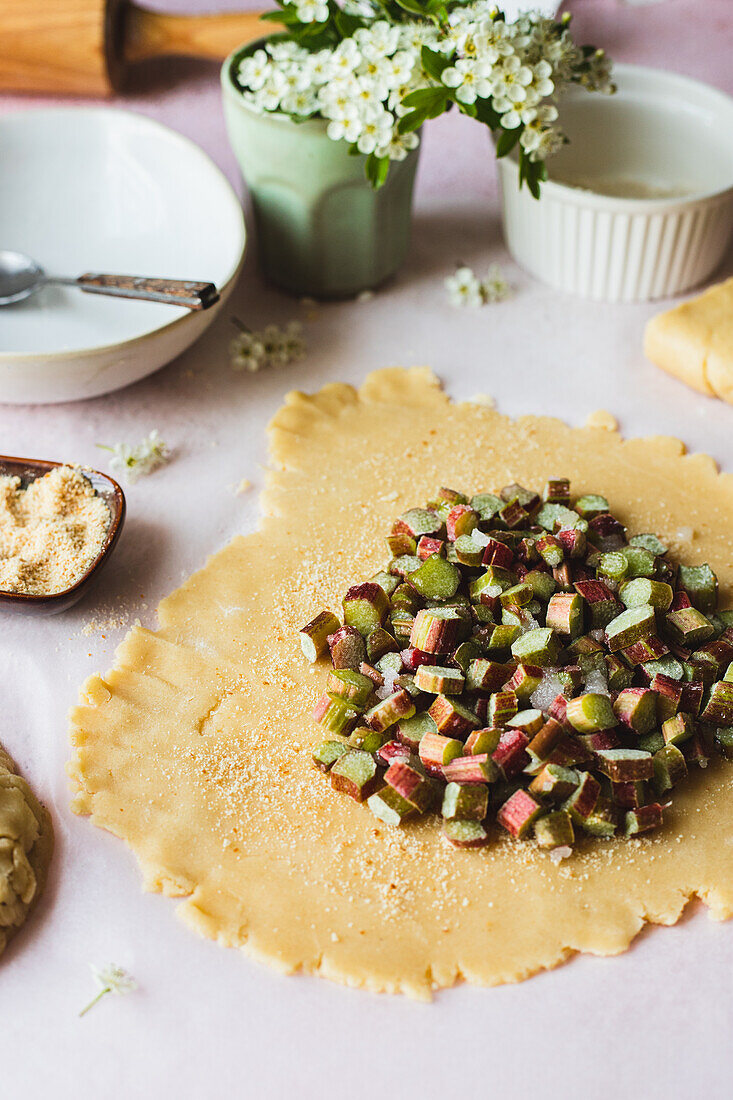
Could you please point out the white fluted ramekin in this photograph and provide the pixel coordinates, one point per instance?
(662, 133)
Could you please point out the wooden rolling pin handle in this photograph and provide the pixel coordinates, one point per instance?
(149, 34)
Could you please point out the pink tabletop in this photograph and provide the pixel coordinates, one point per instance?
(205, 1022)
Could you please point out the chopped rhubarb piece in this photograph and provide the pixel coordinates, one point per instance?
(352, 686)
(393, 751)
(637, 709)
(511, 753)
(630, 626)
(629, 796)
(680, 601)
(669, 768)
(366, 739)
(327, 753)
(554, 830)
(401, 543)
(645, 818)
(463, 656)
(590, 712)
(365, 607)
(701, 585)
(417, 522)
(465, 834)
(481, 741)
(497, 554)
(468, 551)
(605, 532)
(410, 731)
(485, 675)
(550, 550)
(557, 491)
(436, 579)
(463, 803)
(451, 718)
(436, 629)
(601, 601)
(618, 674)
(542, 582)
(573, 542)
(390, 807)
(525, 680)
(603, 822)
(315, 634)
(546, 738)
(518, 814)
(493, 581)
(669, 696)
(644, 651)
(427, 546)
(613, 565)
(554, 783)
(462, 520)
(582, 802)
(348, 649)
(680, 727)
(373, 673)
(387, 581)
(411, 784)
(563, 576)
(558, 709)
(412, 658)
(380, 641)
(355, 773)
(438, 680)
(570, 752)
(519, 595)
(625, 765)
(565, 613)
(436, 751)
(689, 627)
(718, 709)
(335, 713)
(528, 721)
(601, 739)
(642, 591)
(403, 565)
(503, 705)
(388, 711)
(471, 769)
(496, 638)
(539, 647)
(591, 505)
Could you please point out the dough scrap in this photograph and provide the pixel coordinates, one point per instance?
(194, 748)
(694, 341)
(26, 846)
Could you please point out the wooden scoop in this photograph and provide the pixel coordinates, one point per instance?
(84, 47)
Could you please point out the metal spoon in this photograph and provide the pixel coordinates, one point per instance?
(20, 276)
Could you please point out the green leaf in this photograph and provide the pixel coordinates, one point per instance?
(434, 63)
(376, 169)
(413, 6)
(507, 140)
(424, 97)
(288, 16)
(413, 121)
(485, 113)
(347, 24)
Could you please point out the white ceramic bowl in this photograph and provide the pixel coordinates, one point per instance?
(99, 189)
(639, 205)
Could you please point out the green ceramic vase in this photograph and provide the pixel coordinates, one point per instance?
(322, 230)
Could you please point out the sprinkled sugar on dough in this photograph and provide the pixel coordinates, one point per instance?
(50, 532)
(195, 747)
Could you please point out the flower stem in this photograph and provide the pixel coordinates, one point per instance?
(94, 1000)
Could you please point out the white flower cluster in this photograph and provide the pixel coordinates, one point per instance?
(359, 85)
(133, 462)
(521, 67)
(466, 289)
(273, 346)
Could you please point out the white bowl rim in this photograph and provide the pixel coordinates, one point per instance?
(89, 351)
(584, 197)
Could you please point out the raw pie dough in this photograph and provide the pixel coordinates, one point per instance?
(26, 845)
(694, 341)
(194, 748)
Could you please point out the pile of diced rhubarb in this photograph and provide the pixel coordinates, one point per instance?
(522, 660)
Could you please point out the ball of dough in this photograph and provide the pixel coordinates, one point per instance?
(26, 844)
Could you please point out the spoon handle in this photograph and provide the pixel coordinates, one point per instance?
(175, 292)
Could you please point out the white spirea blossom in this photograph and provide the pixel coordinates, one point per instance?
(466, 289)
(133, 462)
(272, 346)
(359, 85)
(110, 979)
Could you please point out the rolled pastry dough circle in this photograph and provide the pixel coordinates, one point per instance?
(194, 748)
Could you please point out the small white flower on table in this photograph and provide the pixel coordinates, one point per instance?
(110, 979)
(134, 462)
(464, 289)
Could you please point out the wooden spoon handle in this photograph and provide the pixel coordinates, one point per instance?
(154, 34)
(174, 292)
